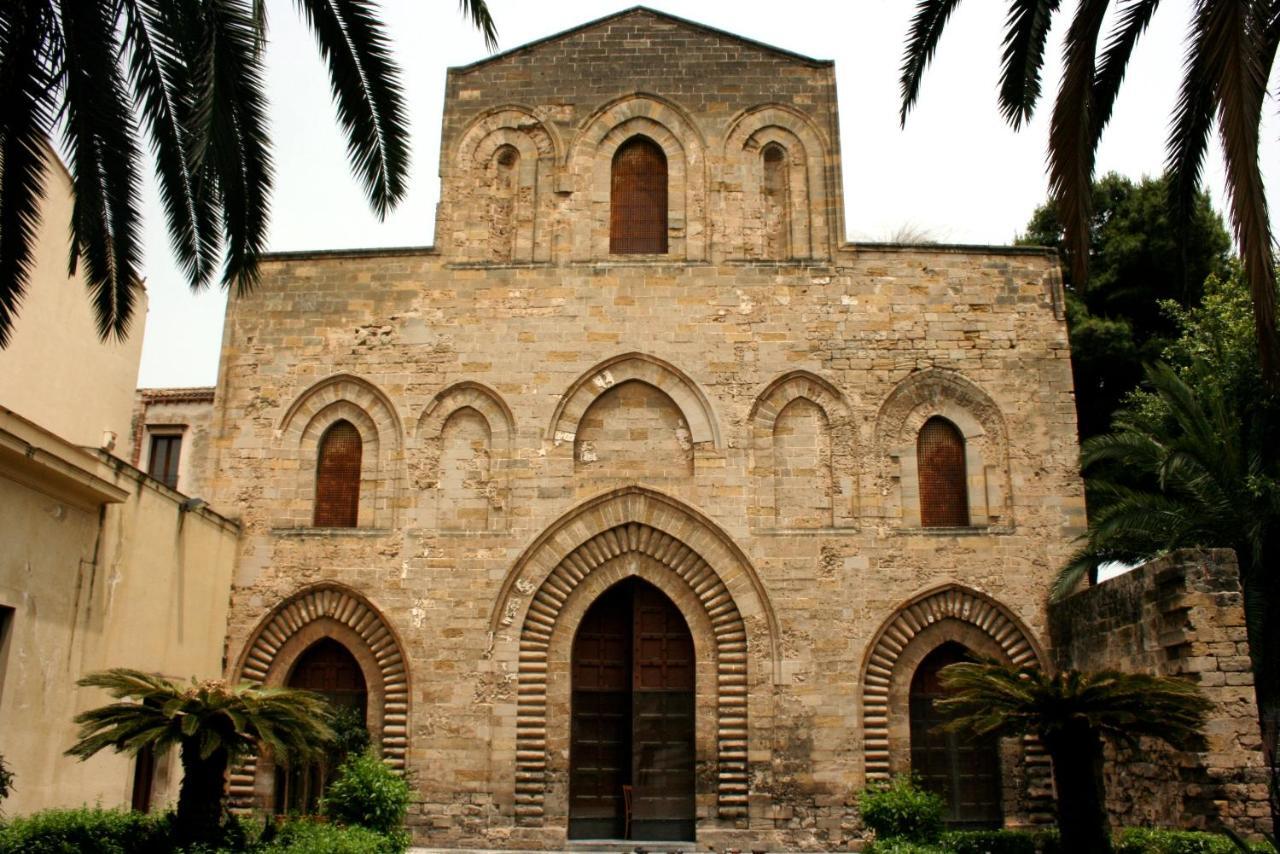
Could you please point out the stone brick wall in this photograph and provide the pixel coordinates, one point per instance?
(541, 419)
(1181, 615)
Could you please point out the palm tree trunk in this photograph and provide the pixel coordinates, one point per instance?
(200, 796)
(1081, 793)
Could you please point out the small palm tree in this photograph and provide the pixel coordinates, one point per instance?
(1073, 713)
(213, 723)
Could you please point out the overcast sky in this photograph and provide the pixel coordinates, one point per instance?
(956, 173)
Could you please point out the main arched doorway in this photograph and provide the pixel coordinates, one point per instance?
(329, 669)
(631, 751)
(963, 769)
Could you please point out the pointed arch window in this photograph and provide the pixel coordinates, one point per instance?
(638, 199)
(338, 477)
(944, 493)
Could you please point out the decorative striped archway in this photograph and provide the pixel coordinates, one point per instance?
(696, 557)
(949, 603)
(330, 610)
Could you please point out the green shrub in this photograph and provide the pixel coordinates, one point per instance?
(6, 780)
(901, 810)
(369, 794)
(988, 842)
(903, 846)
(304, 837)
(1047, 841)
(1145, 840)
(86, 831)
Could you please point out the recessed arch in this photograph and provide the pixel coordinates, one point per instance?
(983, 625)
(342, 397)
(693, 403)
(840, 462)
(937, 392)
(811, 191)
(691, 559)
(529, 206)
(334, 611)
(590, 159)
(487, 500)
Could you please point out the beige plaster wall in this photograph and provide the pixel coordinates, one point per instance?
(56, 371)
(109, 575)
(167, 412)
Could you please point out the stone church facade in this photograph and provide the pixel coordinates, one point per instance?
(641, 504)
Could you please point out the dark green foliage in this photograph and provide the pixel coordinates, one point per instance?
(1072, 712)
(1231, 50)
(212, 722)
(304, 837)
(91, 831)
(350, 735)
(6, 780)
(1144, 840)
(366, 792)
(988, 842)
(900, 810)
(1139, 256)
(193, 73)
(903, 846)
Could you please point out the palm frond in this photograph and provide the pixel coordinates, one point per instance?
(27, 109)
(102, 144)
(478, 13)
(157, 72)
(926, 28)
(1234, 40)
(366, 89)
(1071, 148)
(1131, 24)
(230, 113)
(1026, 31)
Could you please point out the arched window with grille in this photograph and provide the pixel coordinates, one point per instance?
(944, 493)
(338, 477)
(638, 199)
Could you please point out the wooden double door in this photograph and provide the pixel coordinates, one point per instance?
(631, 753)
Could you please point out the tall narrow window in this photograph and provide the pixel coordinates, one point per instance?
(776, 205)
(944, 494)
(502, 210)
(162, 462)
(338, 477)
(638, 199)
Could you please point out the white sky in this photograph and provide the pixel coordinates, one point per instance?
(957, 171)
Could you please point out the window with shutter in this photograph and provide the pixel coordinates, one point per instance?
(162, 462)
(338, 477)
(638, 199)
(944, 494)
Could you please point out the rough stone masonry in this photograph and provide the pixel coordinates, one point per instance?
(724, 437)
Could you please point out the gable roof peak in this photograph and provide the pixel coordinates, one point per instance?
(643, 10)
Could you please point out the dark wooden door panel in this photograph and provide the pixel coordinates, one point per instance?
(633, 719)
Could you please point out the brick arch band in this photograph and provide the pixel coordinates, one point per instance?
(350, 618)
(951, 603)
(730, 647)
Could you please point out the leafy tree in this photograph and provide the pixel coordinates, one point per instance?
(212, 723)
(1072, 713)
(1138, 257)
(1231, 51)
(192, 71)
(1192, 462)
(6, 780)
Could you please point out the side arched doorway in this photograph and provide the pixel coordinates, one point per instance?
(631, 750)
(963, 769)
(329, 669)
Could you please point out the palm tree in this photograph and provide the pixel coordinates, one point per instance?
(1196, 470)
(191, 70)
(1073, 713)
(213, 724)
(1232, 48)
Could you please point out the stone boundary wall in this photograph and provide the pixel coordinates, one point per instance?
(1181, 615)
